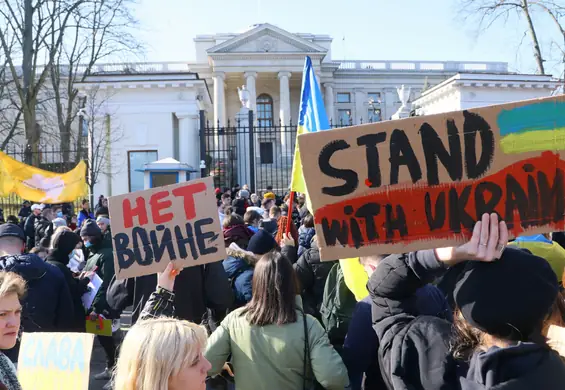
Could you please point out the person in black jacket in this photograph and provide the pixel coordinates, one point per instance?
(504, 296)
(29, 225)
(312, 274)
(47, 306)
(64, 243)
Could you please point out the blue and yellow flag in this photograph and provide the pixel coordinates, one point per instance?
(311, 118)
(37, 185)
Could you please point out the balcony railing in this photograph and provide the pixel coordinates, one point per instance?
(438, 66)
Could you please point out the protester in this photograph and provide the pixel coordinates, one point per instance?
(305, 233)
(104, 225)
(162, 353)
(240, 203)
(64, 242)
(235, 231)
(74, 223)
(360, 350)
(240, 264)
(504, 297)
(100, 261)
(29, 226)
(12, 219)
(44, 228)
(252, 219)
(102, 209)
(84, 213)
(47, 306)
(266, 205)
(255, 201)
(312, 274)
(25, 211)
(12, 291)
(270, 224)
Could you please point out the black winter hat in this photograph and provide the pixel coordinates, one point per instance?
(261, 243)
(12, 230)
(90, 229)
(65, 242)
(509, 297)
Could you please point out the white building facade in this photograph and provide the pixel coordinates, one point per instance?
(158, 106)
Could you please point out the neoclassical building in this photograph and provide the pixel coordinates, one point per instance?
(158, 106)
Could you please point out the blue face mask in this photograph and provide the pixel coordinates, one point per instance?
(59, 214)
(87, 244)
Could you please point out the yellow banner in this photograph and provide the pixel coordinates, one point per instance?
(55, 361)
(37, 185)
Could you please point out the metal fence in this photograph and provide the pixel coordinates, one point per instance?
(50, 158)
(245, 151)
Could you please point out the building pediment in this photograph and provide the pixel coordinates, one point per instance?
(266, 38)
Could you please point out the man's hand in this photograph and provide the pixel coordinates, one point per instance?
(487, 243)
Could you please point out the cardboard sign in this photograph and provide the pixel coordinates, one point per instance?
(55, 361)
(179, 222)
(422, 182)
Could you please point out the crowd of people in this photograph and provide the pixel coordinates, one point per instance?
(272, 315)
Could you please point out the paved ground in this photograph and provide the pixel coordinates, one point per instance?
(98, 359)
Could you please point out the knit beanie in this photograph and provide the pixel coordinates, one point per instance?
(90, 228)
(65, 242)
(508, 298)
(244, 194)
(58, 222)
(261, 243)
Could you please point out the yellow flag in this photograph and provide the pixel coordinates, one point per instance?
(37, 185)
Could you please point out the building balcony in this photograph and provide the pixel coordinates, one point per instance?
(419, 66)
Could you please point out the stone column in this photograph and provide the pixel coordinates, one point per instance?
(219, 98)
(284, 114)
(189, 139)
(329, 101)
(250, 82)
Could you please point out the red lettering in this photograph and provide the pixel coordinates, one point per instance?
(187, 193)
(157, 206)
(138, 211)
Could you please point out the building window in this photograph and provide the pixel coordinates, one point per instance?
(265, 110)
(374, 115)
(266, 152)
(343, 97)
(374, 97)
(136, 160)
(161, 179)
(344, 117)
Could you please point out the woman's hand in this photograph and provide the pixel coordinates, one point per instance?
(487, 243)
(287, 240)
(166, 279)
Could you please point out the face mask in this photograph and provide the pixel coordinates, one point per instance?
(87, 244)
(59, 214)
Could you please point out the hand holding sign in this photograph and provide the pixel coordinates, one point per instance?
(166, 279)
(152, 227)
(486, 244)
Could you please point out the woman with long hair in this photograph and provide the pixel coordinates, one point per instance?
(272, 344)
(12, 291)
(504, 299)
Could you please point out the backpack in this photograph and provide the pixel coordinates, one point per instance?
(337, 307)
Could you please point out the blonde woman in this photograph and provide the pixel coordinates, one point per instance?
(12, 290)
(162, 353)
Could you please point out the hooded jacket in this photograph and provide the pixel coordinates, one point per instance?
(59, 257)
(101, 260)
(414, 350)
(47, 306)
(312, 274)
(239, 268)
(305, 236)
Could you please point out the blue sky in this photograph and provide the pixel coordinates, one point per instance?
(373, 29)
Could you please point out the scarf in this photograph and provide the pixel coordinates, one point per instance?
(8, 376)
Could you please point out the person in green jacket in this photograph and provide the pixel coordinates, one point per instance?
(100, 261)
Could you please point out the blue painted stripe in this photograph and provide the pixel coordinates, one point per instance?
(532, 117)
(312, 113)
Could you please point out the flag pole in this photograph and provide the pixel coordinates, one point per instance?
(289, 217)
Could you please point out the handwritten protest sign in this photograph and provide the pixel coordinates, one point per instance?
(422, 182)
(55, 361)
(179, 222)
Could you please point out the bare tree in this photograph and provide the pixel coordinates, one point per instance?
(37, 28)
(99, 30)
(102, 132)
(491, 11)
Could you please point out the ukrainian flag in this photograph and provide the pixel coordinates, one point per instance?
(311, 118)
